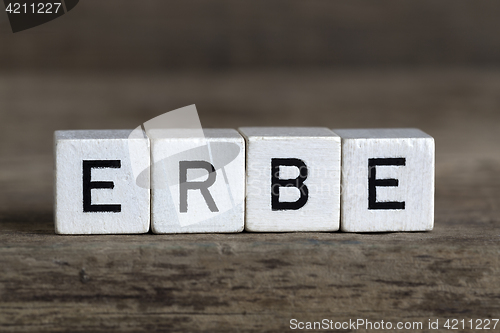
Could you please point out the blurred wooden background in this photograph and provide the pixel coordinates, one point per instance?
(124, 35)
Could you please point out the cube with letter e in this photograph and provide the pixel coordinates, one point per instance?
(387, 180)
(95, 188)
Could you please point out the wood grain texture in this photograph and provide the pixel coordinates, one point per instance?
(250, 282)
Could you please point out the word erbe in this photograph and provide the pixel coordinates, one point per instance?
(258, 179)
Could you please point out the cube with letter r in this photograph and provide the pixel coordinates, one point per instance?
(198, 181)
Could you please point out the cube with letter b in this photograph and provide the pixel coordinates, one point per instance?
(387, 180)
(293, 179)
(95, 188)
(198, 181)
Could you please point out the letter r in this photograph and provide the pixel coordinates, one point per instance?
(203, 186)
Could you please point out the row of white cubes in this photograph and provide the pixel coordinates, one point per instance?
(258, 179)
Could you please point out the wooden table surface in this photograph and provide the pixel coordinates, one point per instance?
(251, 282)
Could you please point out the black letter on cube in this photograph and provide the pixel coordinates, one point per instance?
(88, 185)
(298, 182)
(373, 183)
(184, 185)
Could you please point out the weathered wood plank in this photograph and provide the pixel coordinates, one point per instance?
(254, 282)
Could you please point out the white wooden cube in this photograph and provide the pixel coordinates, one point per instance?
(95, 187)
(387, 180)
(198, 181)
(293, 179)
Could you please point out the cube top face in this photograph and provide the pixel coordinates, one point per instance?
(198, 183)
(387, 180)
(225, 134)
(283, 133)
(95, 186)
(293, 179)
(219, 145)
(382, 133)
(93, 135)
(222, 133)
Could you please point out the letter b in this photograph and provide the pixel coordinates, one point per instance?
(277, 182)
